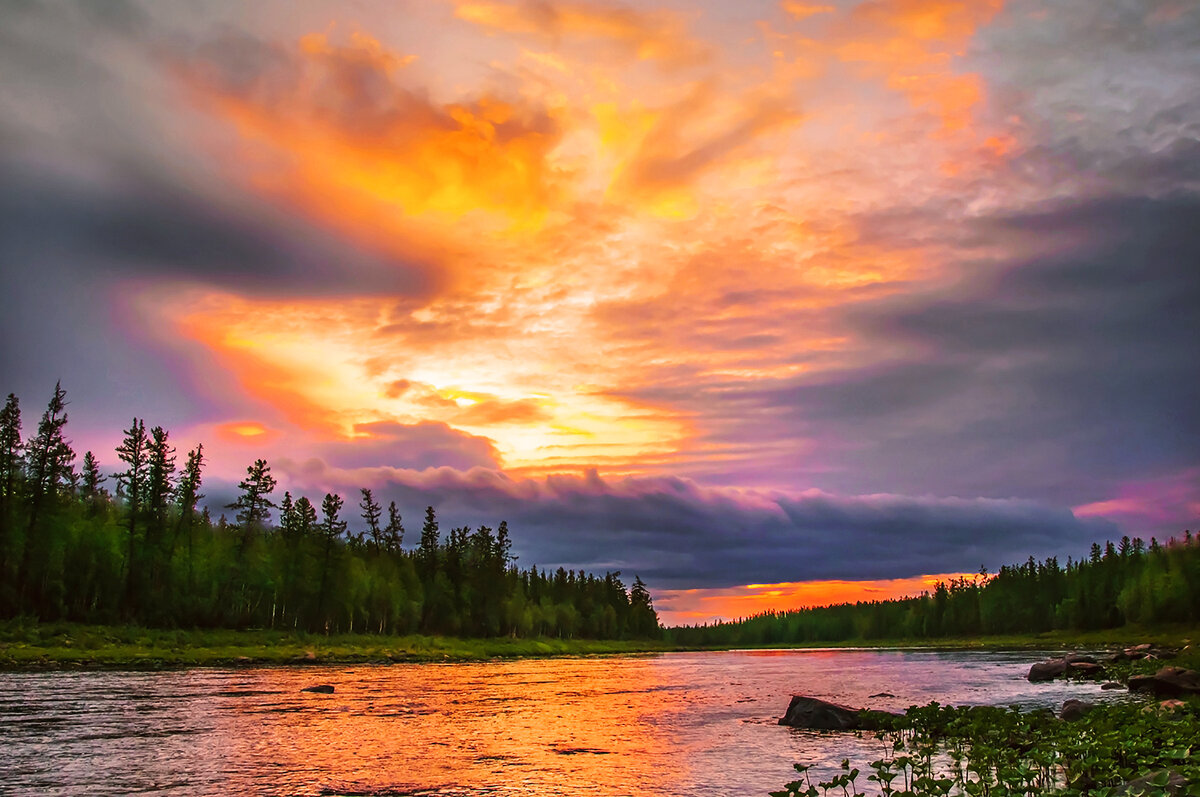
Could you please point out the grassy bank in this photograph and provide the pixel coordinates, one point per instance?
(68, 646)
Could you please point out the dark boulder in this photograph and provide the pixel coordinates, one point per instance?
(321, 689)
(1075, 709)
(1167, 682)
(1047, 670)
(1111, 685)
(1083, 669)
(821, 715)
(811, 712)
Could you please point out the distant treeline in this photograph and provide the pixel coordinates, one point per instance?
(145, 553)
(1117, 584)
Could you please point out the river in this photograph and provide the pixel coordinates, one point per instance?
(668, 724)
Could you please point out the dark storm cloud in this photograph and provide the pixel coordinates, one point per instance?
(139, 224)
(676, 533)
(1056, 376)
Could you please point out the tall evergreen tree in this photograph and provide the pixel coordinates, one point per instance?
(12, 474)
(371, 513)
(159, 486)
(48, 472)
(427, 550)
(394, 531)
(331, 530)
(187, 495)
(93, 494)
(133, 484)
(254, 505)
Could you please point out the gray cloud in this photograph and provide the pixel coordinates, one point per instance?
(676, 533)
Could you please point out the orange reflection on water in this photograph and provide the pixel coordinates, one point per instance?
(543, 726)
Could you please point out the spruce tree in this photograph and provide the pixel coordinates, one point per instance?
(48, 473)
(254, 504)
(12, 474)
(394, 532)
(133, 484)
(371, 513)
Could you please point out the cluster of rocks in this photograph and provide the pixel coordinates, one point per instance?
(1074, 665)
(1142, 651)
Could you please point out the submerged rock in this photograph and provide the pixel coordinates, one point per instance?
(1112, 685)
(321, 689)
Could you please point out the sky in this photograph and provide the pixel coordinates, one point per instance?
(769, 303)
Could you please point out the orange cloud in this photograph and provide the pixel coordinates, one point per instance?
(911, 45)
(339, 130)
(648, 36)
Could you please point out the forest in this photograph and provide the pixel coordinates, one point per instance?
(1117, 584)
(147, 552)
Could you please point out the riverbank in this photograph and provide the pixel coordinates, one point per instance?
(71, 645)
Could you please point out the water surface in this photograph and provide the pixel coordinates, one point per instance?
(669, 724)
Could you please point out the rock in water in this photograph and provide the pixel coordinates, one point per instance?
(811, 712)
(1047, 670)
(321, 689)
(1167, 682)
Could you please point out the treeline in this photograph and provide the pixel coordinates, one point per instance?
(1128, 582)
(147, 553)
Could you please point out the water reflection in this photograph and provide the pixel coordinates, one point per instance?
(676, 724)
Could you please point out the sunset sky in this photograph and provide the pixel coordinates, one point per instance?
(727, 295)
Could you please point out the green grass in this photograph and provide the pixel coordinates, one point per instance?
(69, 645)
(30, 645)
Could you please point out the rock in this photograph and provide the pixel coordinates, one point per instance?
(1083, 669)
(1047, 670)
(1111, 685)
(883, 694)
(1167, 682)
(321, 689)
(1075, 709)
(1078, 658)
(821, 715)
(1168, 780)
(811, 712)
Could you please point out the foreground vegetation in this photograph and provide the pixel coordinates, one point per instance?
(1132, 748)
(148, 555)
(942, 750)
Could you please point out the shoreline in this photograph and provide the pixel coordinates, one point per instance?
(72, 646)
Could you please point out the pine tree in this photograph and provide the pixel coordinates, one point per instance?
(371, 513)
(394, 532)
(159, 481)
(331, 529)
(187, 495)
(254, 504)
(133, 483)
(48, 474)
(92, 493)
(306, 517)
(12, 474)
(427, 550)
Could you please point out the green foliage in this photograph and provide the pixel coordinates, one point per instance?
(1114, 749)
(146, 556)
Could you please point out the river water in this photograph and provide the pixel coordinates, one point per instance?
(671, 724)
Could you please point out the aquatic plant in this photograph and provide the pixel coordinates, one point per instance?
(935, 750)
